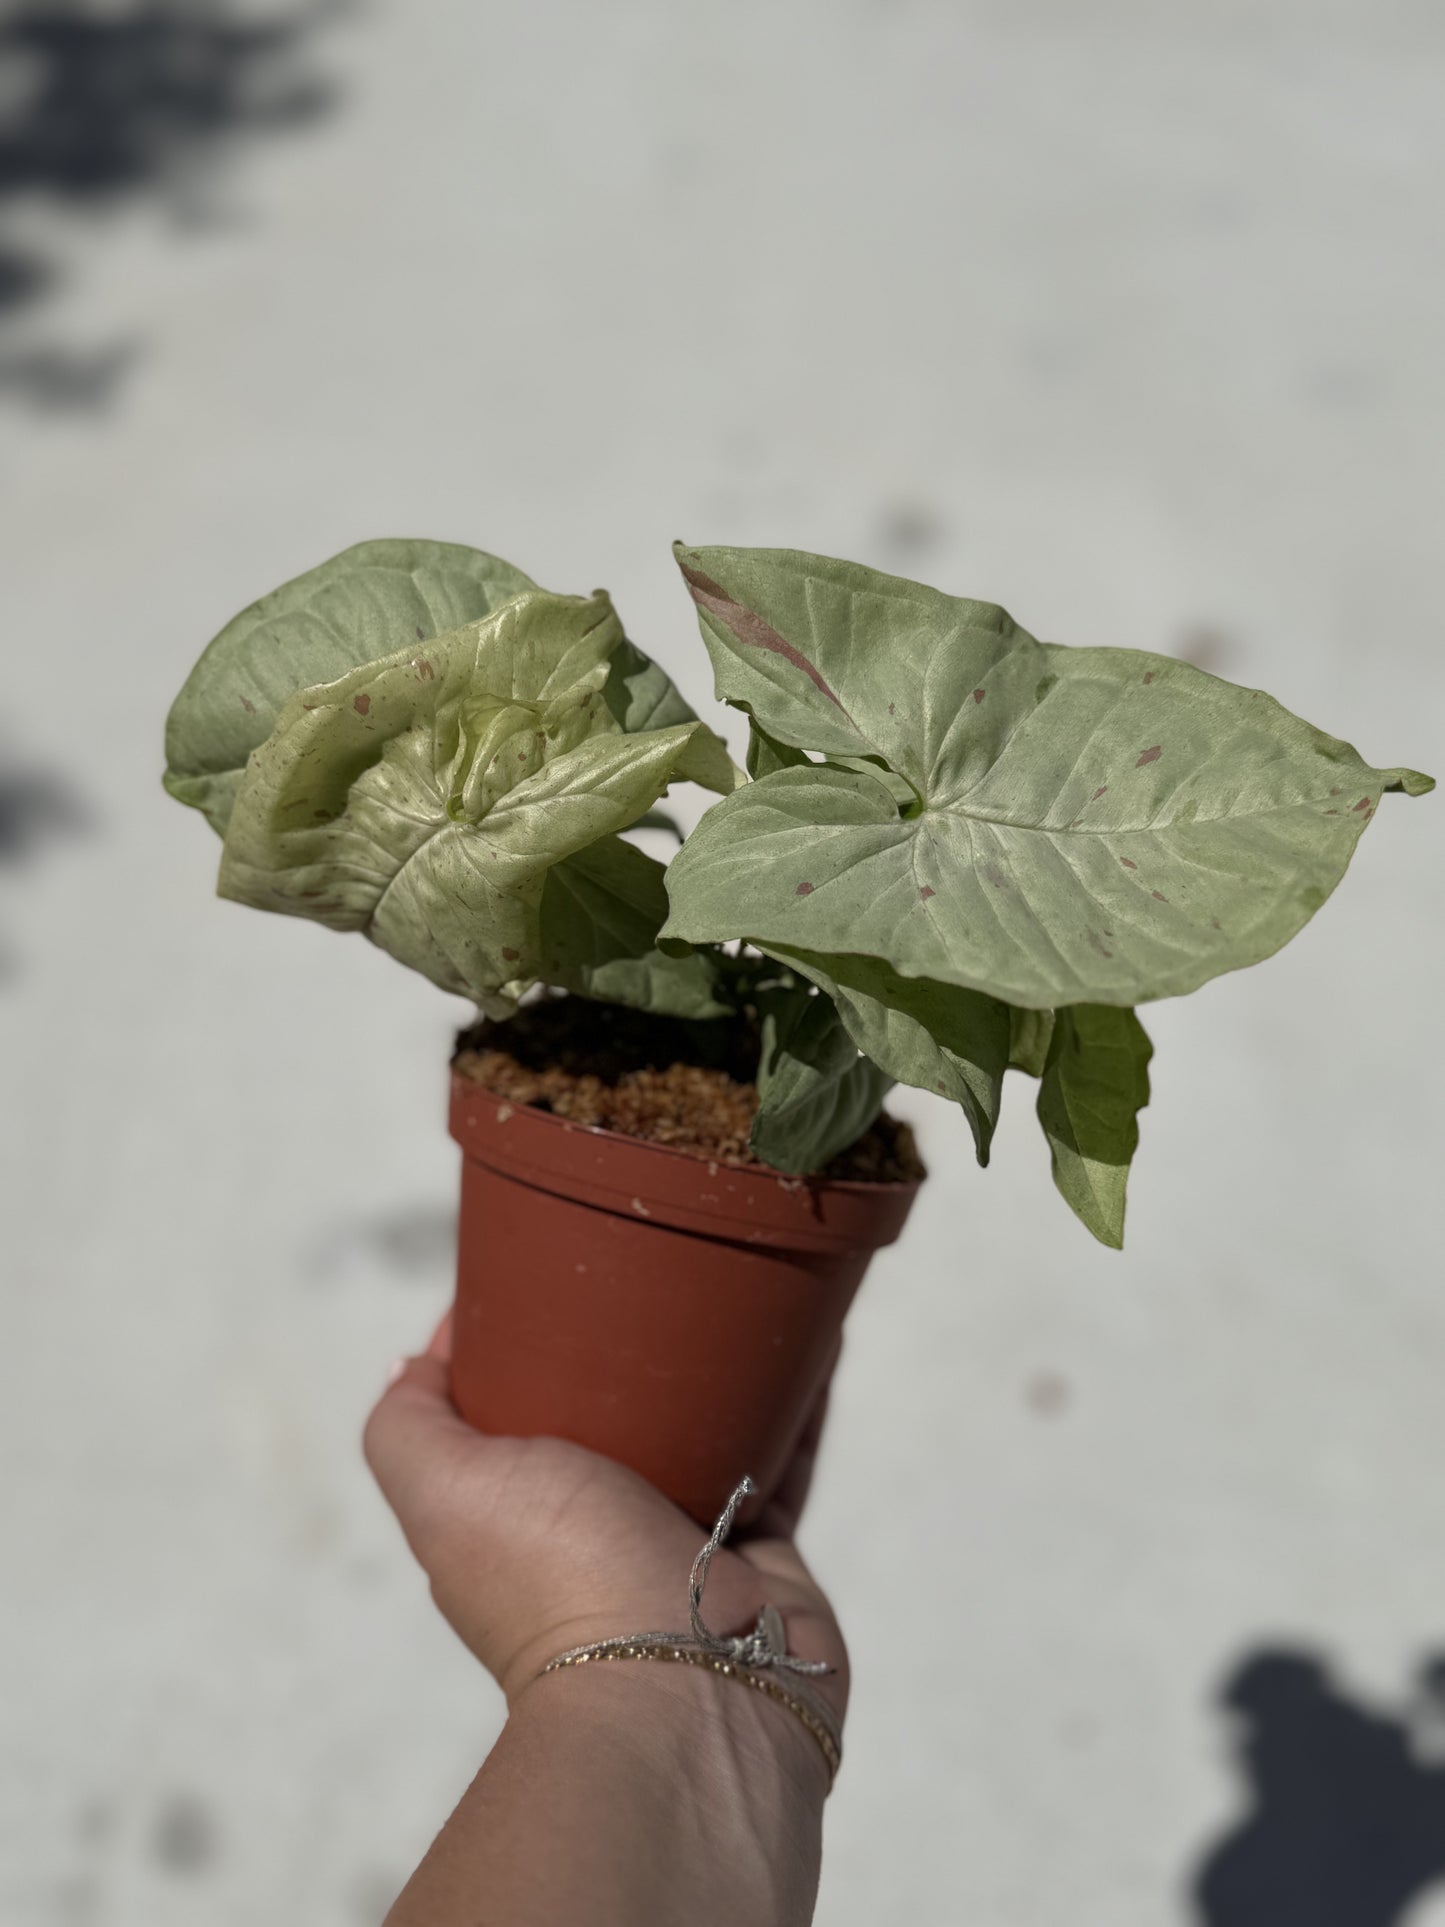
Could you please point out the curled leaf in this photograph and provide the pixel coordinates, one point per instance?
(423, 799)
(367, 602)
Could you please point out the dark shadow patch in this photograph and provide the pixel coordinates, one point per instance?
(910, 528)
(185, 1838)
(106, 106)
(414, 1243)
(35, 806)
(1346, 1819)
(55, 381)
(1206, 646)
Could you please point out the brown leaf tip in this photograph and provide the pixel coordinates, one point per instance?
(1149, 756)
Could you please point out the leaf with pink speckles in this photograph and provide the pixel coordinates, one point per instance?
(1108, 827)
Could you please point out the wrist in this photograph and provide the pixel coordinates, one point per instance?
(747, 1767)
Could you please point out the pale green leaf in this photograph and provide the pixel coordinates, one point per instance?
(816, 1093)
(935, 1036)
(1095, 1083)
(367, 602)
(641, 695)
(422, 799)
(834, 658)
(601, 911)
(1103, 833)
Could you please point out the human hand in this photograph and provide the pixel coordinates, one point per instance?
(533, 1546)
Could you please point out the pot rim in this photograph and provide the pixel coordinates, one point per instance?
(787, 1181)
(751, 1204)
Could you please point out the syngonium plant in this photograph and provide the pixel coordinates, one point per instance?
(956, 850)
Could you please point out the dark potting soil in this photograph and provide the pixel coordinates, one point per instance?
(687, 1085)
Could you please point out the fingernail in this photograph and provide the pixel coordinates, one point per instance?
(398, 1366)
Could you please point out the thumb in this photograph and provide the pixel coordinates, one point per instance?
(417, 1443)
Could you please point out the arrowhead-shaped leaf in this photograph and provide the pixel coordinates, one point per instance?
(1088, 825)
(1095, 1083)
(601, 912)
(367, 602)
(816, 1093)
(423, 798)
(935, 1036)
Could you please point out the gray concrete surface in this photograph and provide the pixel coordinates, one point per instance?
(1127, 316)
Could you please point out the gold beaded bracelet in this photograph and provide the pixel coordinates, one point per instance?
(812, 1711)
(756, 1658)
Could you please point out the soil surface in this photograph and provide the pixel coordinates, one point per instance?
(687, 1085)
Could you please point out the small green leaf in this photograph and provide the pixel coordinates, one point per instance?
(816, 1093)
(367, 602)
(1095, 1083)
(935, 1036)
(601, 911)
(1029, 1034)
(766, 753)
(905, 797)
(641, 695)
(422, 799)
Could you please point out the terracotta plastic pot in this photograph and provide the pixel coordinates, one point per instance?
(675, 1314)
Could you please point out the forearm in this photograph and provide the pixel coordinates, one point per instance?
(630, 1791)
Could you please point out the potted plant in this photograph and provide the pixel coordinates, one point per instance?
(956, 851)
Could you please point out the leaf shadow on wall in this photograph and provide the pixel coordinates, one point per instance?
(37, 807)
(1346, 1823)
(102, 107)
